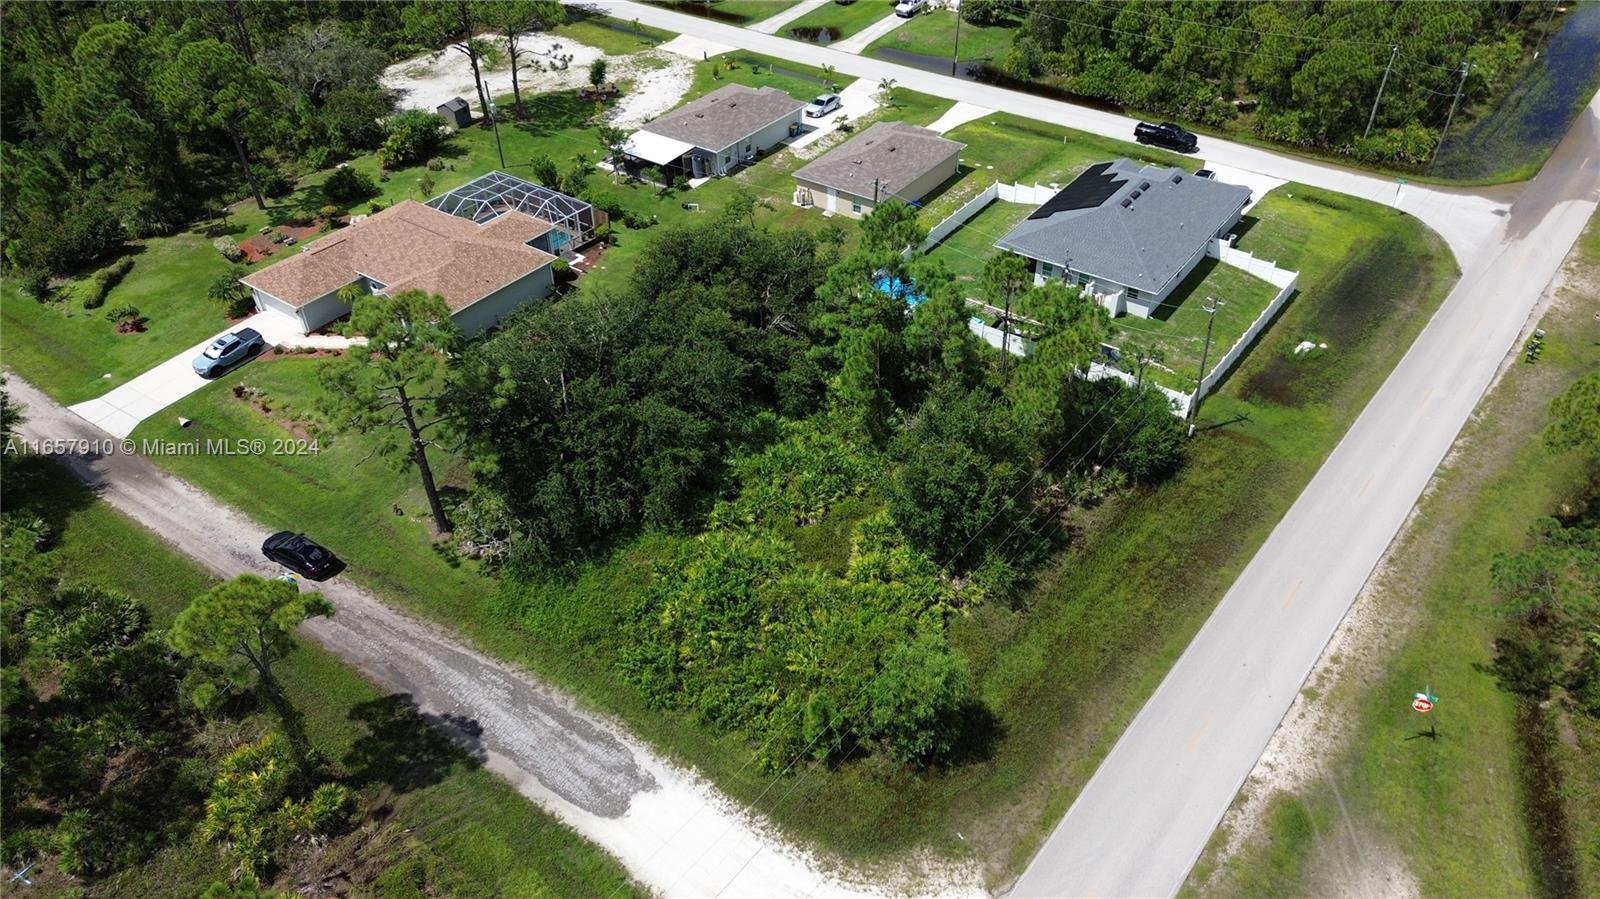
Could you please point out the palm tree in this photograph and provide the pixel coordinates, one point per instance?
(829, 73)
(886, 90)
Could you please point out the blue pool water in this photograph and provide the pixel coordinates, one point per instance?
(895, 286)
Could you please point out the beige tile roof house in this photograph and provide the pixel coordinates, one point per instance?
(411, 246)
(888, 160)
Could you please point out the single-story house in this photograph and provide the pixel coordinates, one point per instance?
(456, 112)
(485, 258)
(1127, 233)
(888, 160)
(716, 133)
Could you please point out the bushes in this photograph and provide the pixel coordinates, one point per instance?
(35, 283)
(101, 282)
(235, 299)
(413, 135)
(806, 664)
(348, 185)
(544, 171)
(229, 248)
(274, 183)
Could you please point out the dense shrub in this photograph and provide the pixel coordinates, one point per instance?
(804, 663)
(65, 238)
(412, 136)
(101, 282)
(815, 464)
(35, 282)
(235, 299)
(229, 248)
(544, 171)
(274, 183)
(349, 185)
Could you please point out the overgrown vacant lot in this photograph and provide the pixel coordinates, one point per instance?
(1479, 828)
(431, 821)
(933, 33)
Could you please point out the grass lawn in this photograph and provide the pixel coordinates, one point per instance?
(616, 37)
(934, 34)
(968, 247)
(1453, 811)
(443, 825)
(1178, 326)
(66, 349)
(840, 21)
(799, 80)
(734, 12)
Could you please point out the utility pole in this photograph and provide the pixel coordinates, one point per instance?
(1451, 116)
(1005, 343)
(955, 55)
(494, 119)
(1210, 307)
(1393, 52)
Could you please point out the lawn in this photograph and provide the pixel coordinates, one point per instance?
(1452, 810)
(443, 825)
(839, 21)
(734, 12)
(968, 247)
(69, 351)
(1178, 326)
(614, 36)
(933, 34)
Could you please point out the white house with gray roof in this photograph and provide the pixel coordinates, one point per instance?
(716, 133)
(894, 160)
(1127, 233)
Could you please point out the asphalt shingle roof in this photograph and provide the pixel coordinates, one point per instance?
(893, 153)
(725, 115)
(410, 246)
(1137, 226)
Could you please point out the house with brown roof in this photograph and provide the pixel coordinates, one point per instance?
(716, 133)
(890, 160)
(485, 260)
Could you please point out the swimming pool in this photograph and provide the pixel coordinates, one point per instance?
(895, 286)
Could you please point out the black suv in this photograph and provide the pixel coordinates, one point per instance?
(302, 555)
(1166, 135)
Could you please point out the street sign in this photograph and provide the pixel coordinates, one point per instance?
(1424, 701)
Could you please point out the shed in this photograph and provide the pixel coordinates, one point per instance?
(456, 112)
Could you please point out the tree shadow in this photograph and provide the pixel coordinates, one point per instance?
(981, 732)
(407, 748)
(555, 112)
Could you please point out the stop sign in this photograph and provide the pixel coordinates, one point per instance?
(1422, 703)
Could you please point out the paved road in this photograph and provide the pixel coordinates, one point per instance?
(1142, 820)
(1463, 218)
(586, 770)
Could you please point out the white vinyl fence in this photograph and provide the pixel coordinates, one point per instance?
(1281, 278)
(1030, 194)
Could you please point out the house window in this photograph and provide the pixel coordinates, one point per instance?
(1047, 269)
(1133, 294)
(855, 207)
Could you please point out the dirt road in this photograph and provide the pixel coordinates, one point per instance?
(672, 830)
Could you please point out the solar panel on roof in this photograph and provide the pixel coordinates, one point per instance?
(1086, 191)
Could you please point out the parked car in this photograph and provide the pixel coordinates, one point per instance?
(1206, 174)
(227, 351)
(1166, 135)
(905, 9)
(822, 106)
(301, 554)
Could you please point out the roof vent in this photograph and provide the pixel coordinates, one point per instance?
(1136, 193)
(1177, 178)
(1127, 204)
(1144, 185)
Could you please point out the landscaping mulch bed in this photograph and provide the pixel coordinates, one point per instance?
(262, 245)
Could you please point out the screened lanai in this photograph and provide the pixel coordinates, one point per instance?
(488, 196)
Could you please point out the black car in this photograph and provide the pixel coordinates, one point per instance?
(301, 554)
(1166, 135)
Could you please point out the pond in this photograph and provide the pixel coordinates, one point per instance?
(1537, 112)
(812, 34)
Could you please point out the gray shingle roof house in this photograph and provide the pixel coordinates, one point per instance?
(889, 159)
(1125, 228)
(715, 133)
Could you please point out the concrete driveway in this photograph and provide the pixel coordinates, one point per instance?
(858, 98)
(124, 407)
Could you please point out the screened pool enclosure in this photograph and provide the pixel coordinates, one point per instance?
(488, 196)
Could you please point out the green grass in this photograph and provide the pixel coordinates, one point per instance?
(1178, 325)
(1450, 809)
(753, 10)
(968, 247)
(66, 349)
(617, 37)
(337, 495)
(934, 34)
(841, 21)
(447, 827)
(755, 70)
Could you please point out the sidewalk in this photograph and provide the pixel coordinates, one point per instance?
(857, 42)
(771, 24)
